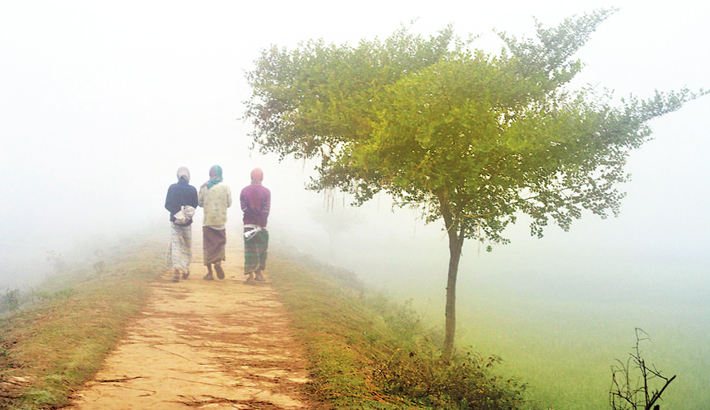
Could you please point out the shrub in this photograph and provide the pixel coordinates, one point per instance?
(466, 383)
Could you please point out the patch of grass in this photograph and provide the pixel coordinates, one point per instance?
(370, 353)
(58, 342)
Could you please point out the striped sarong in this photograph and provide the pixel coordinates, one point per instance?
(255, 251)
(180, 248)
(213, 242)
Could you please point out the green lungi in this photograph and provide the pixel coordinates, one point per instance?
(255, 251)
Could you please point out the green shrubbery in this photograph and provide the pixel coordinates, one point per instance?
(466, 383)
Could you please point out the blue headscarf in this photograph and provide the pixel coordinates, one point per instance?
(215, 176)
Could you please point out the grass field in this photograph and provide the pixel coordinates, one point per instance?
(565, 349)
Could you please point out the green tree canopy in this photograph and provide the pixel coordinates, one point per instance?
(471, 138)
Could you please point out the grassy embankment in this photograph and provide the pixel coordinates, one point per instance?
(366, 353)
(370, 353)
(60, 332)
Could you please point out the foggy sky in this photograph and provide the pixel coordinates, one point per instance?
(101, 102)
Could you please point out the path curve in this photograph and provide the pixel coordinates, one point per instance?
(200, 344)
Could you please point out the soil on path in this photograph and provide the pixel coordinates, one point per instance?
(218, 344)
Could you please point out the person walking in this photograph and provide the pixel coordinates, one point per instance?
(181, 202)
(255, 200)
(215, 197)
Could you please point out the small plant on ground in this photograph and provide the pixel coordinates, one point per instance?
(467, 382)
(633, 381)
(10, 300)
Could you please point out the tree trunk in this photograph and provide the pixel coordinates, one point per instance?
(455, 245)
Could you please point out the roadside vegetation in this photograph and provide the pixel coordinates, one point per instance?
(55, 337)
(365, 351)
(368, 352)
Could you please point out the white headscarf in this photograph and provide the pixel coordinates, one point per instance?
(183, 172)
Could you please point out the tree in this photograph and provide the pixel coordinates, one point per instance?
(470, 138)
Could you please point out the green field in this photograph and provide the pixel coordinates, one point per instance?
(564, 349)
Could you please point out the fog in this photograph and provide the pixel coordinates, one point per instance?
(101, 103)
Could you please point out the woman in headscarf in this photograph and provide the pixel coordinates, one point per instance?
(215, 197)
(181, 201)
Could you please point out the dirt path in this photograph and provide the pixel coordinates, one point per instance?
(204, 344)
